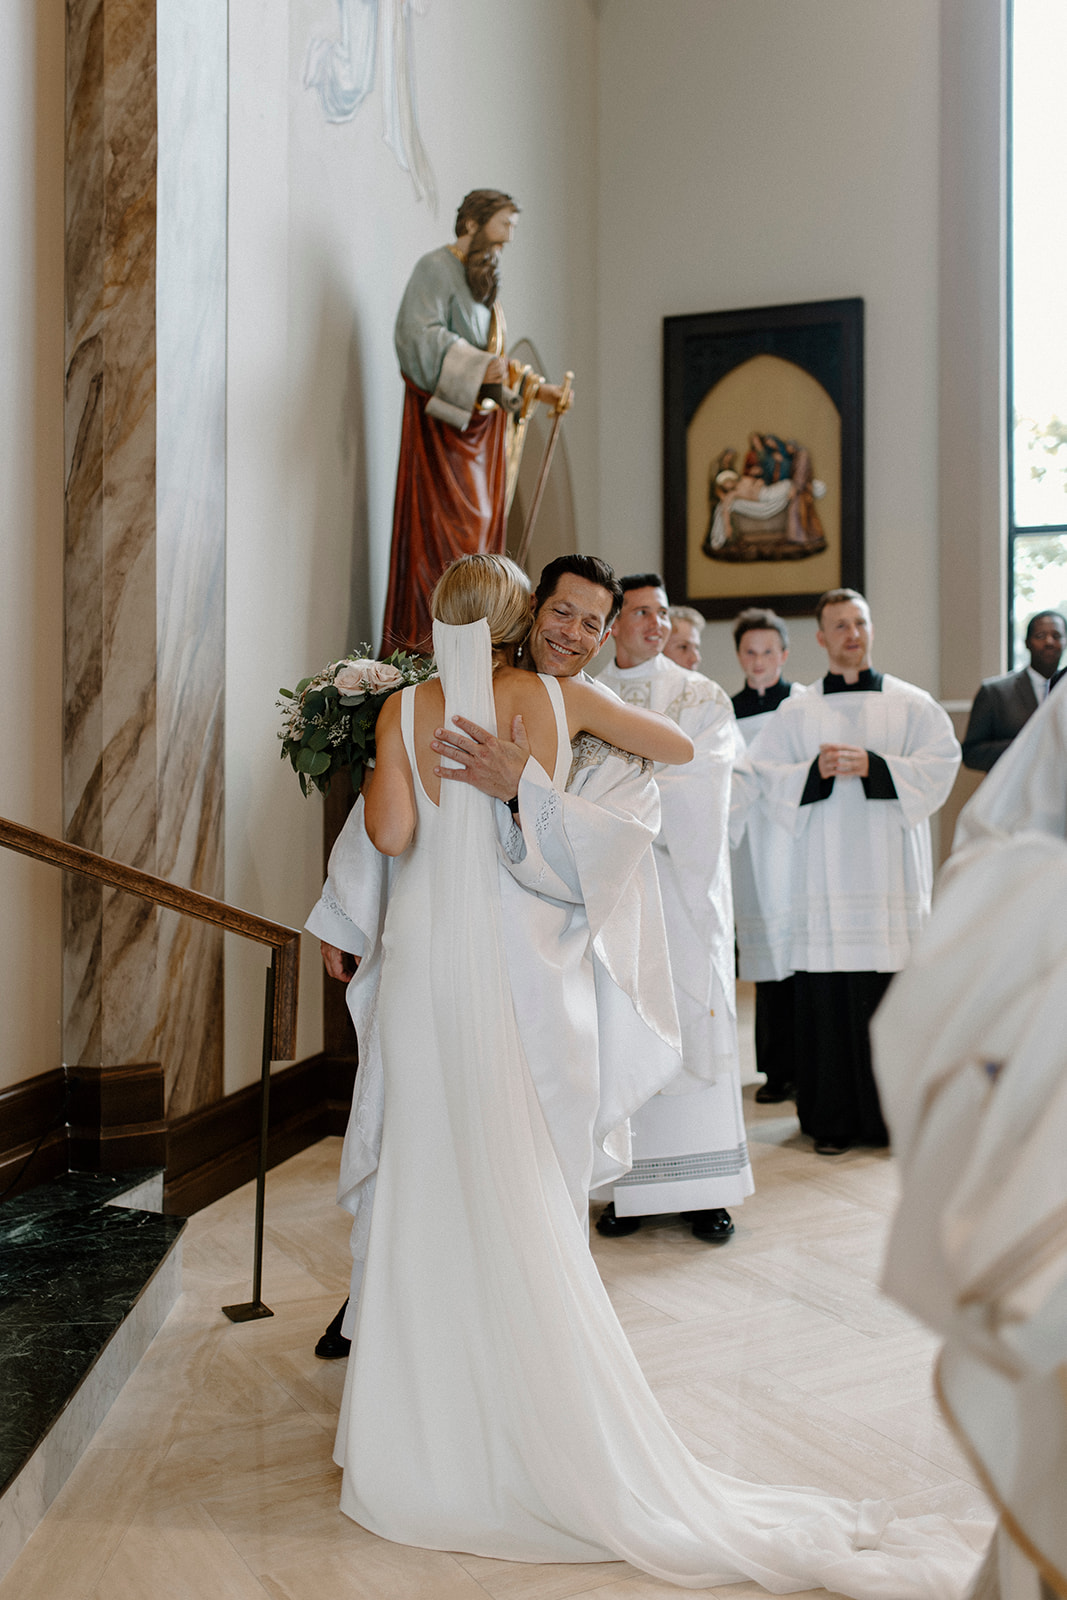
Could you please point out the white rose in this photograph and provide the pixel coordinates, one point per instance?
(351, 677)
(367, 677)
(383, 675)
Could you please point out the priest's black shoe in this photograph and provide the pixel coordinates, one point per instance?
(772, 1094)
(831, 1147)
(333, 1344)
(712, 1226)
(613, 1227)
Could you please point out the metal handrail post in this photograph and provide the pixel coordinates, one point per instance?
(252, 1310)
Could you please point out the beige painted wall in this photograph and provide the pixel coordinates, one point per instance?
(31, 538)
(324, 230)
(760, 154)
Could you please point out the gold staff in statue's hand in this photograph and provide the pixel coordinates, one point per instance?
(526, 384)
(561, 396)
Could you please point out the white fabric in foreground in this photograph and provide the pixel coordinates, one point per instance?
(971, 1060)
(1027, 789)
(492, 1402)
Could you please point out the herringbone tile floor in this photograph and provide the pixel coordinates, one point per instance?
(775, 1355)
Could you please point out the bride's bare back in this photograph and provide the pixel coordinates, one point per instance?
(390, 797)
(515, 694)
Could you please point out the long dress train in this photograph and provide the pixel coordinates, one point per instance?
(492, 1403)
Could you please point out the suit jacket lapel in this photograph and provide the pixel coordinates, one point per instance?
(1024, 690)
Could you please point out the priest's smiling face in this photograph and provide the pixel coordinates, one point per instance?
(846, 634)
(569, 628)
(642, 627)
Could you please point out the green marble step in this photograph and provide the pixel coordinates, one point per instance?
(74, 1261)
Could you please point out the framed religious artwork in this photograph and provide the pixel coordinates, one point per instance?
(763, 456)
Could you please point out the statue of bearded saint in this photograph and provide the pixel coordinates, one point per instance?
(465, 411)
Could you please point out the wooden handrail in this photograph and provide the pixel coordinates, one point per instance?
(284, 941)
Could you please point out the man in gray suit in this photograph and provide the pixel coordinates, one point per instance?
(1003, 706)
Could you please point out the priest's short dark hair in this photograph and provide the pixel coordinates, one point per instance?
(642, 580)
(837, 597)
(754, 617)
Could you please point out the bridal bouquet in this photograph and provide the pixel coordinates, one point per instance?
(329, 719)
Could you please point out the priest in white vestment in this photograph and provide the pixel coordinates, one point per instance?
(690, 1150)
(852, 770)
(971, 1058)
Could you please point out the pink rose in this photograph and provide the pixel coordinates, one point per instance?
(367, 677)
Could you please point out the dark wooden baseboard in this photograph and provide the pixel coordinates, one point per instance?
(111, 1118)
(214, 1150)
(33, 1131)
(115, 1117)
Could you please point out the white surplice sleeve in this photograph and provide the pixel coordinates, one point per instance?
(330, 922)
(744, 795)
(924, 771)
(972, 1073)
(584, 843)
(780, 758)
(695, 801)
(591, 848)
(350, 914)
(351, 909)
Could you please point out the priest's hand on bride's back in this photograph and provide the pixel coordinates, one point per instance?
(495, 766)
(492, 765)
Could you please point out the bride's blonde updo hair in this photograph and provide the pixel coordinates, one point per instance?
(486, 586)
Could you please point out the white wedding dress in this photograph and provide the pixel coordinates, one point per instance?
(492, 1403)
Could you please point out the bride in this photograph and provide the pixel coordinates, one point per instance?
(492, 1403)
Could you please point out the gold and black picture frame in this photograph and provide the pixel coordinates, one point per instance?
(763, 456)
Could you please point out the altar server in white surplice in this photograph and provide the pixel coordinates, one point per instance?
(971, 1058)
(761, 858)
(852, 770)
(690, 1151)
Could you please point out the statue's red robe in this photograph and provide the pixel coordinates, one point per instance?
(449, 503)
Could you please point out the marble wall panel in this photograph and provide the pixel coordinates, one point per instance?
(145, 535)
(82, 763)
(83, 563)
(128, 643)
(109, 584)
(191, 529)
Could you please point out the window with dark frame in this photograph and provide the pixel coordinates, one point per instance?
(1037, 316)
